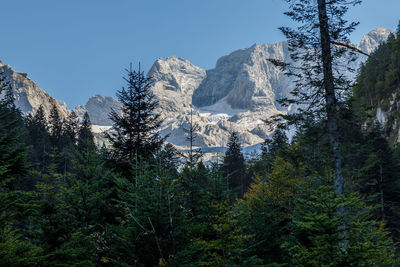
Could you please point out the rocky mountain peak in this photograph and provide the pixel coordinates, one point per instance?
(373, 39)
(177, 74)
(237, 95)
(98, 107)
(245, 77)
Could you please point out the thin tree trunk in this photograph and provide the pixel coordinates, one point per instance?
(330, 97)
(331, 110)
(381, 191)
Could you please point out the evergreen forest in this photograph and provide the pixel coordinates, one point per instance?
(138, 201)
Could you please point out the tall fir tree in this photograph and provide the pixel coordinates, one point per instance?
(135, 133)
(85, 134)
(271, 147)
(234, 166)
(319, 46)
(15, 250)
(194, 155)
(56, 126)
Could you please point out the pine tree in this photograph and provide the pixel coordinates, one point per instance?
(152, 215)
(271, 147)
(193, 155)
(192, 178)
(319, 240)
(378, 180)
(12, 150)
(234, 166)
(56, 127)
(70, 130)
(319, 46)
(85, 135)
(135, 133)
(15, 250)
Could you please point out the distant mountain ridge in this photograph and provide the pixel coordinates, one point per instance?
(237, 95)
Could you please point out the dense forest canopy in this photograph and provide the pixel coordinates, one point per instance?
(141, 202)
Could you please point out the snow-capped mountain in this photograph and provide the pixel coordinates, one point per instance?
(237, 95)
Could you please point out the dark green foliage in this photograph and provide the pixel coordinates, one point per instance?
(379, 77)
(233, 167)
(377, 86)
(15, 250)
(12, 150)
(39, 138)
(322, 237)
(144, 204)
(273, 147)
(85, 136)
(152, 213)
(378, 180)
(135, 128)
(56, 127)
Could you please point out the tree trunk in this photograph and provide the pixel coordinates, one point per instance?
(330, 98)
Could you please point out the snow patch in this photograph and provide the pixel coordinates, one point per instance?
(100, 128)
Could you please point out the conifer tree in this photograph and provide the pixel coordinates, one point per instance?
(234, 166)
(12, 150)
(85, 135)
(193, 155)
(192, 179)
(38, 131)
(70, 130)
(56, 127)
(319, 240)
(14, 249)
(378, 180)
(135, 133)
(319, 46)
(152, 214)
(271, 147)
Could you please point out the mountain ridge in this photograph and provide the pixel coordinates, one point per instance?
(238, 94)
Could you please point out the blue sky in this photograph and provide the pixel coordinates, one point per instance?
(75, 49)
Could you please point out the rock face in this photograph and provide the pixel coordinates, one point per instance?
(175, 80)
(246, 79)
(373, 39)
(98, 107)
(237, 95)
(177, 83)
(28, 96)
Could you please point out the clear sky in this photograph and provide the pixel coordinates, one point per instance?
(75, 49)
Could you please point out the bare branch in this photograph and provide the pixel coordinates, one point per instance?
(349, 46)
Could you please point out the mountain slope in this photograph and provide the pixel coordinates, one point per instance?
(28, 96)
(378, 86)
(237, 95)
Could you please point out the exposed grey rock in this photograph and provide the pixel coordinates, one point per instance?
(246, 78)
(237, 95)
(373, 39)
(175, 81)
(98, 107)
(28, 96)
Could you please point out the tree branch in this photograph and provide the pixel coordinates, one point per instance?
(349, 46)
